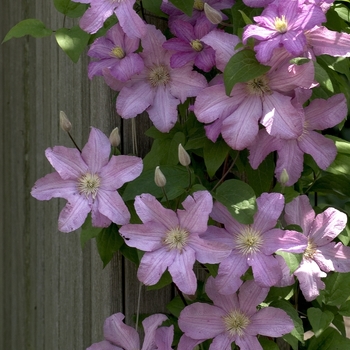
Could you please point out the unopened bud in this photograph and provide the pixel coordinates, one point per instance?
(214, 16)
(184, 158)
(159, 178)
(114, 137)
(284, 178)
(65, 124)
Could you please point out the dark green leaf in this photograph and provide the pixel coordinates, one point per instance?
(165, 280)
(88, 231)
(186, 6)
(32, 27)
(131, 254)
(337, 288)
(108, 242)
(323, 78)
(239, 198)
(319, 320)
(268, 344)
(242, 67)
(334, 184)
(72, 41)
(214, 155)
(175, 306)
(345, 309)
(69, 8)
(330, 339)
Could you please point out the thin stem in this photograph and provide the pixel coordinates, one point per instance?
(138, 307)
(226, 173)
(189, 176)
(76, 146)
(180, 294)
(134, 136)
(166, 197)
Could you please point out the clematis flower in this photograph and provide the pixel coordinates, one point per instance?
(321, 255)
(88, 181)
(253, 245)
(171, 239)
(158, 89)
(233, 318)
(283, 24)
(319, 115)
(115, 52)
(100, 10)
(119, 336)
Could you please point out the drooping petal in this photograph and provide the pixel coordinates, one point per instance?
(332, 257)
(294, 42)
(53, 186)
(120, 334)
(187, 343)
(119, 170)
(164, 338)
(150, 325)
(103, 345)
(96, 151)
(287, 277)
(266, 270)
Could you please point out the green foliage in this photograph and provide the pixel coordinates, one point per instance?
(337, 288)
(72, 41)
(330, 339)
(319, 320)
(242, 67)
(292, 260)
(214, 155)
(175, 306)
(32, 27)
(69, 8)
(186, 6)
(164, 281)
(267, 344)
(154, 7)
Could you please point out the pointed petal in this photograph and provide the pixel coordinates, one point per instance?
(187, 343)
(266, 270)
(111, 205)
(332, 257)
(97, 218)
(250, 296)
(150, 325)
(103, 345)
(164, 337)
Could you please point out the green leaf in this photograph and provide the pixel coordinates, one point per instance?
(337, 288)
(299, 60)
(69, 8)
(323, 78)
(292, 260)
(131, 254)
(344, 309)
(186, 6)
(330, 339)
(246, 19)
(154, 7)
(239, 198)
(165, 280)
(319, 320)
(175, 306)
(108, 242)
(242, 67)
(32, 27)
(333, 184)
(88, 231)
(214, 155)
(267, 344)
(72, 41)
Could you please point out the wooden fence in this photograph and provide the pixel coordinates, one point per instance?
(53, 294)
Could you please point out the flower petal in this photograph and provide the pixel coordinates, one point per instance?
(251, 294)
(266, 269)
(150, 325)
(111, 205)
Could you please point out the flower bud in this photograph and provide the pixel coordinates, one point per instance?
(159, 178)
(214, 16)
(284, 177)
(184, 157)
(114, 137)
(65, 124)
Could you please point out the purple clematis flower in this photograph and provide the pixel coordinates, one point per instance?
(119, 336)
(115, 52)
(321, 255)
(233, 318)
(158, 89)
(283, 24)
(188, 46)
(88, 181)
(100, 10)
(253, 245)
(171, 240)
(319, 115)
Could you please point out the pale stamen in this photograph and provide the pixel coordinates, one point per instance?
(118, 52)
(249, 241)
(88, 185)
(310, 250)
(197, 45)
(236, 322)
(259, 86)
(158, 75)
(198, 5)
(281, 24)
(176, 238)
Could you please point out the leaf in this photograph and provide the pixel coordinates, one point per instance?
(131, 254)
(175, 306)
(32, 27)
(242, 67)
(88, 231)
(323, 78)
(108, 242)
(268, 344)
(330, 339)
(186, 6)
(72, 41)
(239, 198)
(165, 280)
(337, 288)
(69, 8)
(319, 320)
(154, 7)
(292, 260)
(334, 184)
(214, 155)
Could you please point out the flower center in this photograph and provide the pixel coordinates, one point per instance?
(310, 250)
(197, 45)
(281, 24)
(198, 5)
(118, 52)
(236, 322)
(259, 86)
(158, 75)
(176, 238)
(88, 185)
(249, 241)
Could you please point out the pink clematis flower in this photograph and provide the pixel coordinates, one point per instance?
(321, 255)
(171, 239)
(319, 115)
(253, 245)
(158, 89)
(233, 318)
(119, 336)
(283, 24)
(100, 10)
(88, 181)
(115, 52)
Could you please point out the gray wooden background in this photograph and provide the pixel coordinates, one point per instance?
(53, 294)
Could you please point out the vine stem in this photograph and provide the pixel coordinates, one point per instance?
(71, 137)
(138, 307)
(134, 136)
